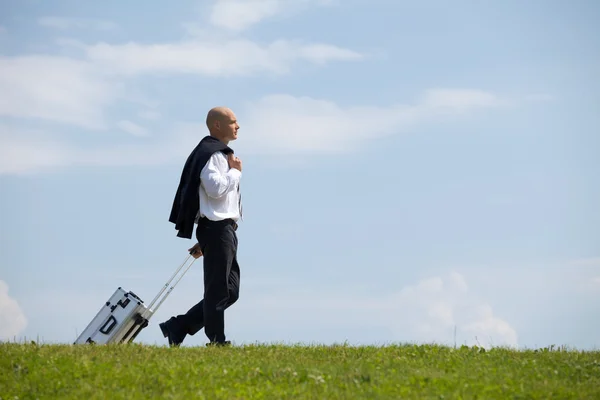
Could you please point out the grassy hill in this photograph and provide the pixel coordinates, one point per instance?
(32, 371)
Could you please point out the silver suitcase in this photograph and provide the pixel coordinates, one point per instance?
(124, 315)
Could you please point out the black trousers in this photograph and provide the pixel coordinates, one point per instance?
(218, 242)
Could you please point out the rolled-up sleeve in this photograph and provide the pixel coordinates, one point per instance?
(216, 177)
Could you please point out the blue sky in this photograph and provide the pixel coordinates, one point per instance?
(410, 168)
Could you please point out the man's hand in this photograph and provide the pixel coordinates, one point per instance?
(195, 251)
(234, 162)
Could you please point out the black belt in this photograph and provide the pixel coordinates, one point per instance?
(224, 222)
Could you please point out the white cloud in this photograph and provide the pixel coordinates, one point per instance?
(76, 23)
(12, 319)
(240, 14)
(237, 15)
(78, 91)
(54, 88)
(427, 312)
(288, 124)
(487, 330)
(132, 128)
(211, 57)
(432, 309)
(28, 151)
(311, 126)
(459, 100)
(2, 29)
(322, 53)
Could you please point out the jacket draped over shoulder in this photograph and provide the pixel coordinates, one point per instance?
(186, 203)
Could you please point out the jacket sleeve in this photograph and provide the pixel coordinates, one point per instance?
(217, 178)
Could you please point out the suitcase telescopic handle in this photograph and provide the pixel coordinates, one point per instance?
(166, 285)
(108, 326)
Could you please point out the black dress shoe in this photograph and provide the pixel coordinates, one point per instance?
(219, 344)
(174, 335)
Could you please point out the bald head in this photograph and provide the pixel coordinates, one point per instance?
(222, 124)
(216, 114)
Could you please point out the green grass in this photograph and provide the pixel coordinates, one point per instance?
(33, 371)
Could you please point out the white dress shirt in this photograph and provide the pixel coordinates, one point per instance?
(219, 189)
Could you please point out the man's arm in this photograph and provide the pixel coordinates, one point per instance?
(216, 177)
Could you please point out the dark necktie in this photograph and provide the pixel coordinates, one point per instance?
(239, 200)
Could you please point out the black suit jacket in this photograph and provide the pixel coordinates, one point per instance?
(186, 202)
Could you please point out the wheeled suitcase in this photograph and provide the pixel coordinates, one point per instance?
(124, 315)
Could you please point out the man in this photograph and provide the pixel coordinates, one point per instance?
(208, 195)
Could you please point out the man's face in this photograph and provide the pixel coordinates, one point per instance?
(229, 126)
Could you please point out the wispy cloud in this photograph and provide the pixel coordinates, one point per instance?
(457, 100)
(54, 88)
(238, 15)
(318, 125)
(28, 151)
(12, 318)
(76, 23)
(132, 128)
(313, 126)
(77, 91)
(213, 58)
